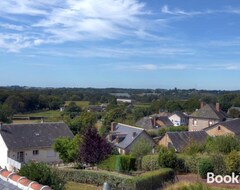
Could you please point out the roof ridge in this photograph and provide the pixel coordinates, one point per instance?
(131, 126)
(32, 123)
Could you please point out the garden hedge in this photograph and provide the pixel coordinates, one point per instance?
(109, 164)
(125, 163)
(150, 162)
(149, 180)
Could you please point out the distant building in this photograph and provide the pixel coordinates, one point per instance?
(180, 140)
(206, 116)
(124, 100)
(178, 118)
(96, 108)
(229, 127)
(124, 137)
(22, 143)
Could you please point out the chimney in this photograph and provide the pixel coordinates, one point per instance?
(113, 126)
(134, 134)
(117, 139)
(202, 104)
(1, 124)
(110, 137)
(218, 107)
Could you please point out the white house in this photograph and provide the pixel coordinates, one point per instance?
(178, 119)
(21, 143)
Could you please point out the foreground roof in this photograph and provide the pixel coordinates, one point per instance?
(209, 112)
(232, 125)
(182, 139)
(24, 136)
(126, 135)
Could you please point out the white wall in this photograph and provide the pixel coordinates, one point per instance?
(46, 155)
(3, 152)
(175, 119)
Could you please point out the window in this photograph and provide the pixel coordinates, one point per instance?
(20, 157)
(195, 122)
(219, 128)
(35, 152)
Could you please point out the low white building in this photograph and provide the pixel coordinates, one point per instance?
(124, 100)
(178, 119)
(22, 143)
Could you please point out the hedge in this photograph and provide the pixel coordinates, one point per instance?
(149, 180)
(125, 163)
(109, 164)
(150, 162)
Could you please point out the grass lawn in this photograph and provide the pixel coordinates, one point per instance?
(49, 113)
(82, 104)
(80, 186)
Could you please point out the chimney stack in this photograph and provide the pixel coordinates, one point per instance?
(110, 137)
(117, 139)
(202, 105)
(113, 126)
(218, 107)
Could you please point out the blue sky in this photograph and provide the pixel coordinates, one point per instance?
(120, 43)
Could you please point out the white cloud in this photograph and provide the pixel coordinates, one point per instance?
(11, 27)
(165, 9)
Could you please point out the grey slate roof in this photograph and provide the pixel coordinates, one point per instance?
(209, 112)
(127, 135)
(232, 125)
(4, 185)
(24, 136)
(165, 120)
(145, 122)
(182, 139)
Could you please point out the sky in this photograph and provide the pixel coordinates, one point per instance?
(120, 43)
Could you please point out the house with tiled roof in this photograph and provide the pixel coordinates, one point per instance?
(179, 118)
(229, 127)
(12, 181)
(180, 140)
(206, 116)
(22, 143)
(124, 137)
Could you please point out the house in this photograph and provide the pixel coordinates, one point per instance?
(180, 140)
(229, 127)
(206, 116)
(178, 118)
(21, 143)
(96, 108)
(12, 181)
(124, 137)
(129, 101)
(154, 122)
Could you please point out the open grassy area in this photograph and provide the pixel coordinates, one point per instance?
(49, 113)
(82, 104)
(81, 186)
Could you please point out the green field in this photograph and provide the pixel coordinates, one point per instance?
(82, 104)
(49, 113)
(80, 186)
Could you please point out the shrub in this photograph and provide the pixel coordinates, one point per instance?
(150, 162)
(219, 164)
(181, 166)
(167, 158)
(149, 180)
(43, 174)
(232, 162)
(108, 164)
(125, 163)
(141, 148)
(154, 179)
(223, 144)
(194, 148)
(205, 166)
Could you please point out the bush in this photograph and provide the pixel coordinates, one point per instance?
(232, 162)
(181, 166)
(43, 174)
(205, 166)
(194, 148)
(145, 181)
(150, 162)
(154, 179)
(109, 164)
(162, 131)
(125, 163)
(167, 158)
(219, 164)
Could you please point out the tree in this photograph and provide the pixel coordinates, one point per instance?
(167, 158)
(5, 114)
(79, 124)
(232, 162)
(68, 149)
(72, 110)
(94, 148)
(141, 148)
(43, 174)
